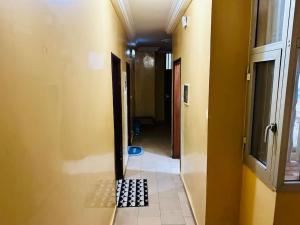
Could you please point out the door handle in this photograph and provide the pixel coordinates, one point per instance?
(272, 127)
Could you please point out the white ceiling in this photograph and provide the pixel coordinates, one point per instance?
(150, 22)
(150, 16)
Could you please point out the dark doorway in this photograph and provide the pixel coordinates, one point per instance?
(168, 96)
(117, 108)
(176, 109)
(128, 81)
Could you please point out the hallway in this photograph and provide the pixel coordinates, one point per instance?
(168, 204)
(81, 79)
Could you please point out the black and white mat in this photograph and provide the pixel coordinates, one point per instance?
(132, 193)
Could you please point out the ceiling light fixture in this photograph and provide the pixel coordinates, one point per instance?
(148, 62)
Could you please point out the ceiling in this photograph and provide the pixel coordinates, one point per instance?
(150, 22)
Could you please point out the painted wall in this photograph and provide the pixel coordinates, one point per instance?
(227, 88)
(56, 117)
(215, 70)
(287, 209)
(144, 87)
(257, 201)
(195, 66)
(261, 205)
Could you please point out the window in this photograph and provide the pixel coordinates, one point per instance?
(270, 16)
(273, 115)
(262, 105)
(168, 61)
(262, 121)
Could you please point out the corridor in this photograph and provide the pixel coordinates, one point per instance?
(209, 88)
(168, 203)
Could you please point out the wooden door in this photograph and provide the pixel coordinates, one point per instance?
(117, 111)
(176, 109)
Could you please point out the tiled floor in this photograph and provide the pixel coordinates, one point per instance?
(168, 204)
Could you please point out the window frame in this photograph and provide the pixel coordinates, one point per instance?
(264, 172)
(286, 109)
(274, 176)
(270, 46)
(168, 61)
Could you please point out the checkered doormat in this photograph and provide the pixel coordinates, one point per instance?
(132, 193)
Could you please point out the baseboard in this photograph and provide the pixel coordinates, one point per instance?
(189, 198)
(112, 222)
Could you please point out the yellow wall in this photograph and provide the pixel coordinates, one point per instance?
(56, 117)
(257, 201)
(195, 68)
(260, 205)
(228, 68)
(212, 154)
(144, 87)
(287, 209)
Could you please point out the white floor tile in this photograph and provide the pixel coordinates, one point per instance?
(172, 217)
(189, 221)
(149, 221)
(168, 204)
(152, 211)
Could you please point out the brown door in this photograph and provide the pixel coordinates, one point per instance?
(176, 109)
(117, 109)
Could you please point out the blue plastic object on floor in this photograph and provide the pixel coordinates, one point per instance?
(135, 151)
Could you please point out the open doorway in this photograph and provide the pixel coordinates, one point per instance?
(117, 112)
(152, 100)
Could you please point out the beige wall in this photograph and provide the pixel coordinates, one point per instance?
(144, 87)
(227, 85)
(56, 117)
(195, 68)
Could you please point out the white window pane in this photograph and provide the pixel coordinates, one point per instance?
(269, 21)
(167, 61)
(264, 75)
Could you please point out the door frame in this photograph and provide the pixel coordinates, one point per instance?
(128, 82)
(117, 114)
(176, 140)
